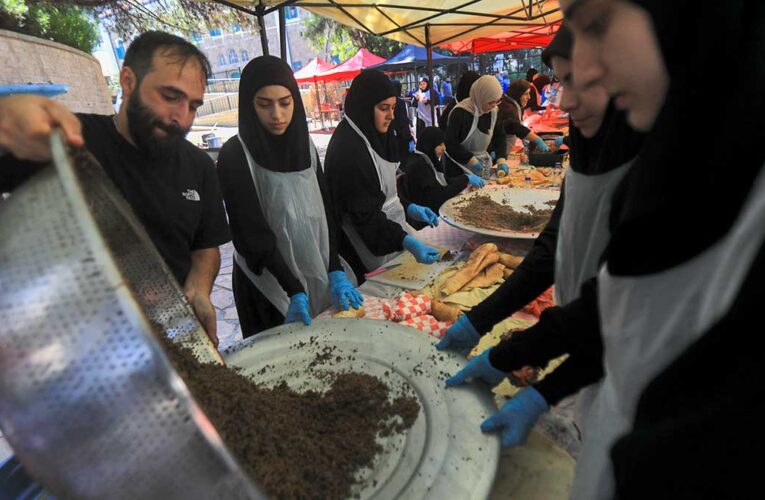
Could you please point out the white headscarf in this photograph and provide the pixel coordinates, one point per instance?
(484, 90)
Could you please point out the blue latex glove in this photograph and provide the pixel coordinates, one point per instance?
(344, 294)
(423, 253)
(559, 141)
(503, 167)
(298, 309)
(516, 417)
(478, 367)
(422, 214)
(411, 146)
(475, 166)
(476, 181)
(541, 146)
(461, 335)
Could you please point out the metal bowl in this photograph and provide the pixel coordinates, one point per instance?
(88, 400)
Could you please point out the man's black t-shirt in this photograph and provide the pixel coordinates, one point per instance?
(178, 199)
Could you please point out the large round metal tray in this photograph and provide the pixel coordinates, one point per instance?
(517, 198)
(444, 455)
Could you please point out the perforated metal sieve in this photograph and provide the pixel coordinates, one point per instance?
(88, 400)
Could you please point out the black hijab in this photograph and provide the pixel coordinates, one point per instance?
(429, 139)
(676, 202)
(289, 152)
(466, 81)
(367, 89)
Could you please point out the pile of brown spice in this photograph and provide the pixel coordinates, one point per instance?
(483, 212)
(295, 445)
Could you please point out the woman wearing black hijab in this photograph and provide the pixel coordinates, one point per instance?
(424, 182)
(286, 266)
(568, 251)
(361, 166)
(682, 279)
(426, 98)
(463, 92)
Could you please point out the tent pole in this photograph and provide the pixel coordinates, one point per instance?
(260, 10)
(429, 49)
(283, 33)
(318, 102)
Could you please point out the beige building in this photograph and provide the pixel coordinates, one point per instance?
(231, 48)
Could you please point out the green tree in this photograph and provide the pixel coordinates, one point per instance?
(67, 24)
(331, 38)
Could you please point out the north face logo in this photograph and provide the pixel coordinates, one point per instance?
(191, 195)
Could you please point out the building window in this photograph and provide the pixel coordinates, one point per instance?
(196, 36)
(221, 60)
(120, 49)
(245, 56)
(216, 32)
(291, 13)
(235, 28)
(232, 57)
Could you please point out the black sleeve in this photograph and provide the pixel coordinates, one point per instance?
(460, 122)
(575, 373)
(14, 172)
(573, 329)
(535, 275)
(329, 211)
(513, 126)
(253, 239)
(213, 229)
(498, 141)
(425, 189)
(356, 194)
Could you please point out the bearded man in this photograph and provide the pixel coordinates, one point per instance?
(170, 184)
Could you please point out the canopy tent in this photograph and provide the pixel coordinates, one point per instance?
(349, 69)
(524, 38)
(427, 23)
(413, 57)
(424, 22)
(309, 73)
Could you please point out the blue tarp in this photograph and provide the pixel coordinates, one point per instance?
(413, 56)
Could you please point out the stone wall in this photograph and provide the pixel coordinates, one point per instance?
(26, 59)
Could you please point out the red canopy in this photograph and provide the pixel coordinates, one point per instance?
(352, 67)
(524, 38)
(313, 68)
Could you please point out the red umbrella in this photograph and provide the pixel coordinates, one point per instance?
(313, 68)
(352, 67)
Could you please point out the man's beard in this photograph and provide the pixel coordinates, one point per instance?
(142, 123)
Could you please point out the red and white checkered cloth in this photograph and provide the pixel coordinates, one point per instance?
(427, 324)
(407, 306)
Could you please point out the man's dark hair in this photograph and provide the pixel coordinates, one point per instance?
(140, 53)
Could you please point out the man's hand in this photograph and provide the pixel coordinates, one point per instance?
(26, 122)
(205, 311)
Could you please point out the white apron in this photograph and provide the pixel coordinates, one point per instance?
(294, 210)
(392, 207)
(476, 141)
(582, 237)
(648, 322)
(440, 178)
(423, 110)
